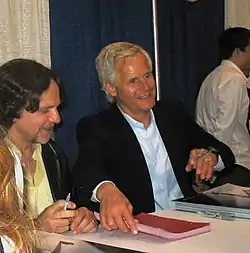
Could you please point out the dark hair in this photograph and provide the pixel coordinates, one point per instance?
(232, 38)
(22, 82)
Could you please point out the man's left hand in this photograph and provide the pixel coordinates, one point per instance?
(203, 165)
(83, 222)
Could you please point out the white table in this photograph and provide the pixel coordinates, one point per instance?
(226, 236)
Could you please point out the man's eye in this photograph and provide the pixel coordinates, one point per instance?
(148, 75)
(133, 80)
(43, 110)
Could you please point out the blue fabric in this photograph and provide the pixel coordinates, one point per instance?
(188, 34)
(79, 30)
(188, 46)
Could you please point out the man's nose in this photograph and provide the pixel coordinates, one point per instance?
(55, 117)
(144, 83)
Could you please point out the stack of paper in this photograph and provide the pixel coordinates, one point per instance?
(225, 202)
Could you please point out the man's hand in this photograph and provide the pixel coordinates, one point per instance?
(115, 209)
(54, 219)
(204, 164)
(83, 222)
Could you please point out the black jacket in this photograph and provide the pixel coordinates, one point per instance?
(57, 170)
(109, 150)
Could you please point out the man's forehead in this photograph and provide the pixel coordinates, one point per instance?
(132, 61)
(49, 103)
(51, 96)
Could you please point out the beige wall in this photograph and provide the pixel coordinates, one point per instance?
(237, 13)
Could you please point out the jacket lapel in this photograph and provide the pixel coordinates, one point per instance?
(167, 132)
(174, 145)
(52, 168)
(124, 134)
(122, 131)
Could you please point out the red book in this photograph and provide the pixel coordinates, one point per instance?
(172, 229)
(168, 228)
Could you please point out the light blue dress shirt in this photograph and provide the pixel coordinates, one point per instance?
(165, 185)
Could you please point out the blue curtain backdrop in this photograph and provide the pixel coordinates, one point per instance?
(79, 30)
(188, 35)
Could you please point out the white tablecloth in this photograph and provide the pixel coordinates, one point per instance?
(226, 236)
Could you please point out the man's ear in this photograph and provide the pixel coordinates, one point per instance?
(235, 54)
(237, 51)
(110, 89)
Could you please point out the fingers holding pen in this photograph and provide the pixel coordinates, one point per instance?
(203, 162)
(194, 160)
(54, 218)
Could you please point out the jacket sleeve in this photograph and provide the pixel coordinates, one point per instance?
(88, 171)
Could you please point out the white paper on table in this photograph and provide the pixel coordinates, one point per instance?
(66, 247)
(238, 196)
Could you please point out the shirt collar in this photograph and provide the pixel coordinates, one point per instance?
(135, 123)
(233, 65)
(14, 148)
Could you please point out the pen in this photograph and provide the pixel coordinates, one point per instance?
(66, 202)
(202, 153)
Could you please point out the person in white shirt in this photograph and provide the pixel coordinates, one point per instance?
(17, 230)
(222, 103)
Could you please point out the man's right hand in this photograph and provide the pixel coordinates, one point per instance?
(54, 219)
(115, 209)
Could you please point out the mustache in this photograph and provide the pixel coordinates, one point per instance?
(50, 127)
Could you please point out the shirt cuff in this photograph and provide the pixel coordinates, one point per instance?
(94, 197)
(220, 165)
